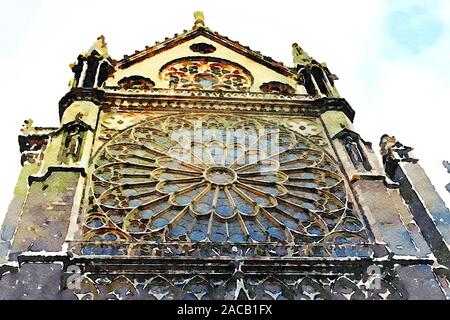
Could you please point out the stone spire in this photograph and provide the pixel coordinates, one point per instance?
(299, 56)
(92, 67)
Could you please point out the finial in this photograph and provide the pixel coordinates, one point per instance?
(100, 46)
(299, 56)
(78, 116)
(199, 19)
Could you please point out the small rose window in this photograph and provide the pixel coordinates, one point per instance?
(206, 74)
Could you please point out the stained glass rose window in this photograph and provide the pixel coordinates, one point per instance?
(216, 178)
(206, 73)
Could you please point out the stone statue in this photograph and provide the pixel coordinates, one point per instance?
(391, 148)
(353, 150)
(74, 140)
(73, 144)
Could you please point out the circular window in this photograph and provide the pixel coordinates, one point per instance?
(205, 73)
(217, 178)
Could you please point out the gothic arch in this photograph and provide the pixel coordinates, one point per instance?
(236, 288)
(121, 288)
(198, 288)
(345, 289)
(88, 289)
(319, 77)
(307, 82)
(311, 289)
(273, 289)
(159, 288)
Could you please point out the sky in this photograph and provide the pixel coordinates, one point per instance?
(392, 59)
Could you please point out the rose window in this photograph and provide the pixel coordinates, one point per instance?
(205, 73)
(216, 178)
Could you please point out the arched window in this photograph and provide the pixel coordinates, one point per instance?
(318, 75)
(309, 85)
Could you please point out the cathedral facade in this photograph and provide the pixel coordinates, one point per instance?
(198, 168)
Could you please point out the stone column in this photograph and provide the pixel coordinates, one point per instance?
(83, 74)
(9, 226)
(387, 216)
(54, 195)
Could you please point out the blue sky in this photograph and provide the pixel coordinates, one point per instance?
(413, 28)
(419, 32)
(392, 58)
(16, 20)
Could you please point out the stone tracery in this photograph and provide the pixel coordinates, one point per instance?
(271, 288)
(205, 73)
(217, 179)
(227, 214)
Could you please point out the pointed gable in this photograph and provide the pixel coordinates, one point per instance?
(208, 61)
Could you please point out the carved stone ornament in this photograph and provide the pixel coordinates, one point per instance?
(217, 178)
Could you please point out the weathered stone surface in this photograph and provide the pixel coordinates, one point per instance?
(420, 282)
(46, 213)
(162, 182)
(34, 281)
(382, 209)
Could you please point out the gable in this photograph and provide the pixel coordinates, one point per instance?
(168, 65)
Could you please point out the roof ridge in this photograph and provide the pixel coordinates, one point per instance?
(157, 43)
(138, 54)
